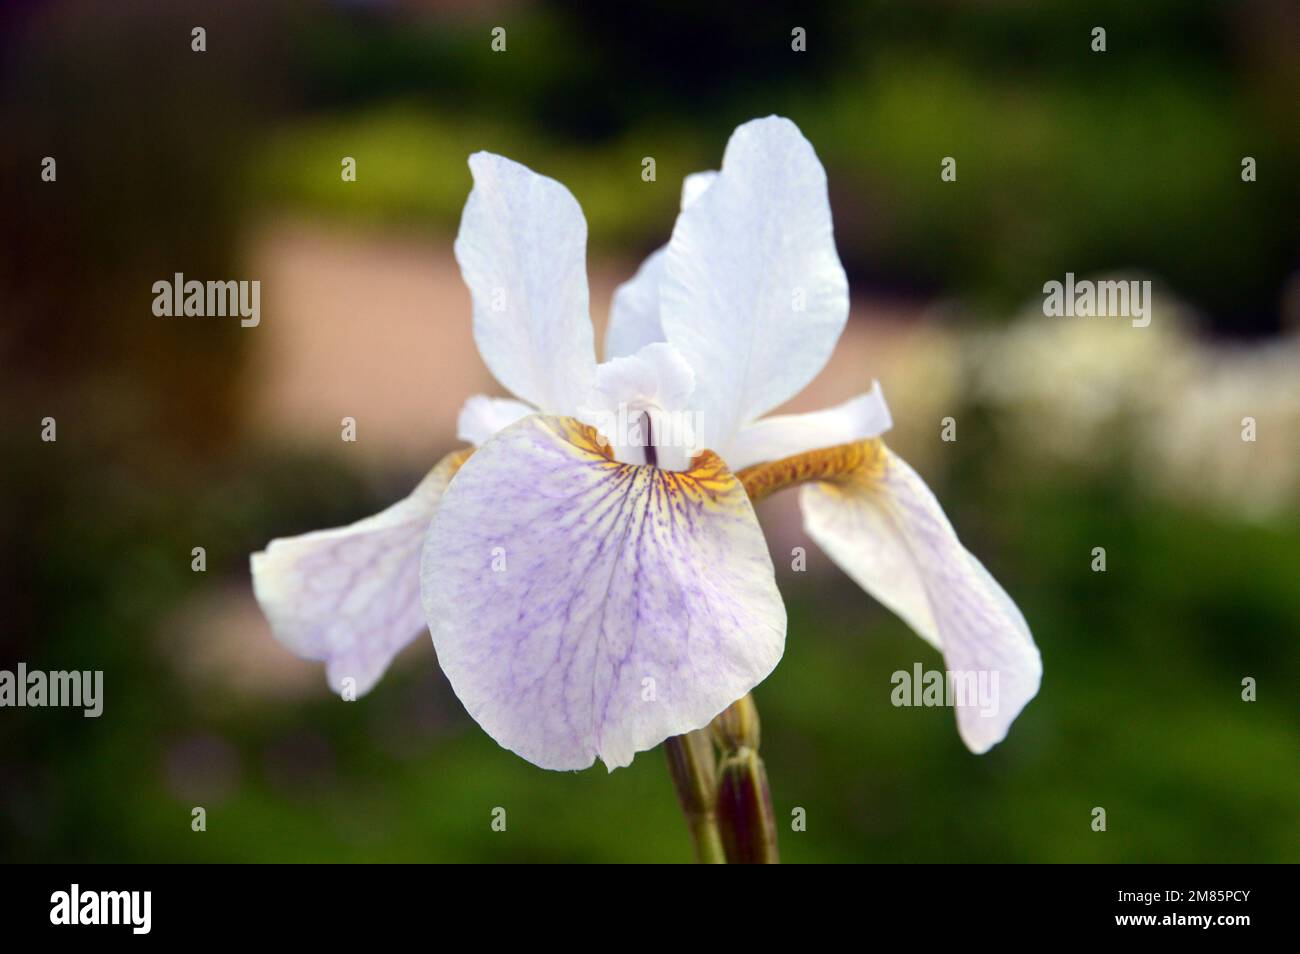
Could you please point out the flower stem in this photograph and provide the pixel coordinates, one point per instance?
(722, 785)
(693, 768)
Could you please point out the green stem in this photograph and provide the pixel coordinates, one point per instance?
(693, 768)
(708, 840)
(722, 785)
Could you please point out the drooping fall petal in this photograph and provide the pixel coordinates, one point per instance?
(584, 608)
(886, 530)
(350, 596)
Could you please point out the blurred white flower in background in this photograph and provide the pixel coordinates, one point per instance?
(1196, 451)
(1094, 393)
(1071, 387)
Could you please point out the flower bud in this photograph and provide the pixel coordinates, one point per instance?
(737, 726)
(745, 817)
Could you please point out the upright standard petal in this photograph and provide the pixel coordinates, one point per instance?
(351, 596)
(522, 250)
(634, 313)
(585, 608)
(695, 185)
(785, 435)
(753, 292)
(886, 530)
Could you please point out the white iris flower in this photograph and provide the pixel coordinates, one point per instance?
(593, 575)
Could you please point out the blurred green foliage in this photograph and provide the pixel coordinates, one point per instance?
(1067, 159)
(412, 172)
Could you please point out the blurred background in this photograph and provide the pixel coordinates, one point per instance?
(1071, 434)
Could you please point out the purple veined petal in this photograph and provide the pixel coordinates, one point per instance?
(482, 416)
(886, 530)
(634, 312)
(753, 292)
(583, 608)
(785, 435)
(522, 250)
(350, 596)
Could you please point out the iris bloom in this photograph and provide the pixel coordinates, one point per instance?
(592, 574)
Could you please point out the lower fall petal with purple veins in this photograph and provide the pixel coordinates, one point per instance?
(350, 596)
(583, 608)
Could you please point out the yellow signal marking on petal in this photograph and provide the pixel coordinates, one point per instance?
(709, 479)
(709, 482)
(583, 437)
(454, 461)
(859, 462)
